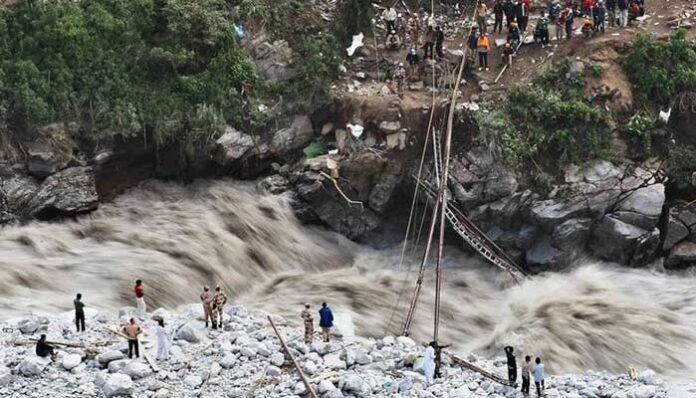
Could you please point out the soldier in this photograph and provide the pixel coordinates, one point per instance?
(219, 301)
(207, 302)
(308, 324)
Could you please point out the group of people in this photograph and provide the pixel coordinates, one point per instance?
(213, 306)
(511, 15)
(529, 370)
(325, 322)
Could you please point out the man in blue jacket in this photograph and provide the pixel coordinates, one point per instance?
(326, 321)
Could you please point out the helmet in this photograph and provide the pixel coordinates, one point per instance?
(413, 51)
(393, 32)
(401, 64)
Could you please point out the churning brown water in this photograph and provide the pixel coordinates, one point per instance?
(179, 238)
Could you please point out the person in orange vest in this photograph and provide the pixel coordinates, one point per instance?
(484, 46)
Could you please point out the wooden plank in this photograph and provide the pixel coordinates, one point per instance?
(306, 382)
(53, 342)
(152, 362)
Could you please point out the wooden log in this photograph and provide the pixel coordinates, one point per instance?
(116, 332)
(152, 362)
(306, 382)
(49, 342)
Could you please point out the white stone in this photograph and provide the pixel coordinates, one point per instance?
(137, 370)
(33, 365)
(71, 361)
(228, 361)
(188, 333)
(277, 359)
(273, 371)
(5, 375)
(109, 356)
(334, 362)
(118, 384)
(193, 381)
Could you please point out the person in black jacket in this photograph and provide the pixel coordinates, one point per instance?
(79, 313)
(510, 12)
(498, 11)
(43, 349)
(439, 40)
(511, 364)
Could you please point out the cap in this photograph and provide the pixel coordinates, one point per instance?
(206, 287)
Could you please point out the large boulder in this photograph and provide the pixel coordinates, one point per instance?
(272, 60)
(550, 213)
(188, 333)
(647, 201)
(615, 240)
(70, 191)
(29, 325)
(675, 231)
(17, 191)
(118, 385)
(298, 135)
(382, 191)
(33, 365)
(137, 370)
(542, 256)
(45, 157)
(355, 385)
(500, 183)
(572, 234)
(108, 356)
(682, 255)
(232, 146)
(71, 361)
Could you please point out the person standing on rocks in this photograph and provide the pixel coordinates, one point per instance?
(389, 15)
(79, 312)
(429, 363)
(498, 11)
(139, 291)
(219, 301)
(610, 7)
(429, 43)
(326, 321)
(207, 302)
(511, 364)
(484, 46)
(132, 330)
(439, 41)
(481, 16)
(526, 374)
(308, 321)
(162, 341)
(43, 349)
(538, 371)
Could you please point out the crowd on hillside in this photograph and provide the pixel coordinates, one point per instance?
(426, 30)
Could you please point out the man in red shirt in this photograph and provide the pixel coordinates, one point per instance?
(139, 291)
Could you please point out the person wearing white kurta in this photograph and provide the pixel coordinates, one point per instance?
(429, 365)
(162, 341)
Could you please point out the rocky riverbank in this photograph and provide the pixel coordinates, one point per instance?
(245, 359)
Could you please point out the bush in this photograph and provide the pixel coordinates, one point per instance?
(549, 122)
(124, 67)
(660, 70)
(641, 128)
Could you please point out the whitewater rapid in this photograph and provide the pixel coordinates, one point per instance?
(179, 238)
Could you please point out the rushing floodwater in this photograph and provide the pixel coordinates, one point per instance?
(179, 238)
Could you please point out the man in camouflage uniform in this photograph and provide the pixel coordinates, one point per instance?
(219, 301)
(207, 301)
(308, 324)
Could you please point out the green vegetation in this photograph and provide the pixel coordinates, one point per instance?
(548, 123)
(642, 129)
(167, 70)
(660, 70)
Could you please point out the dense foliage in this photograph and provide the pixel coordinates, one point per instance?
(549, 122)
(660, 70)
(172, 70)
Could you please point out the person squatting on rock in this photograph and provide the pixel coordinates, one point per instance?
(162, 341)
(219, 301)
(326, 321)
(538, 371)
(429, 363)
(207, 301)
(79, 313)
(511, 364)
(308, 321)
(132, 331)
(139, 291)
(526, 374)
(43, 349)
